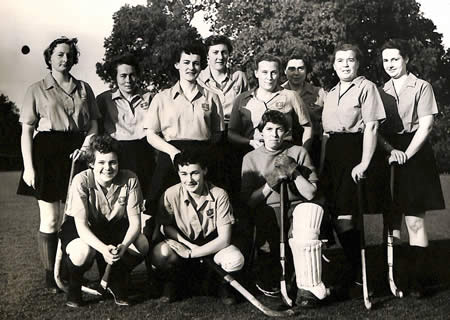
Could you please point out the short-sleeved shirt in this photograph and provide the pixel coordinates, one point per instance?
(88, 201)
(227, 91)
(213, 210)
(416, 99)
(248, 110)
(123, 119)
(257, 164)
(48, 107)
(313, 97)
(177, 118)
(348, 111)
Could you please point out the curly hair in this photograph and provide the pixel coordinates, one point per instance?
(218, 39)
(273, 116)
(128, 59)
(74, 51)
(347, 47)
(188, 157)
(193, 47)
(102, 144)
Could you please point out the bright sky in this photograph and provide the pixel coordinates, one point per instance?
(37, 23)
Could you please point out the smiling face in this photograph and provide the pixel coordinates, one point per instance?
(61, 59)
(192, 177)
(268, 74)
(189, 67)
(105, 167)
(296, 71)
(273, 135)
(126, 78)
(218, 57)
(394, 64)
(346, 65)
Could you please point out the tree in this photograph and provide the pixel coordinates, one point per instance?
(315, 27)
(151, 33)
(10, 131)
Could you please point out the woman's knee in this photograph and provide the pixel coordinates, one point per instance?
(230, 259)
(141, 245)
(415, 224)
(344, 223)
(80, 253)
(163, 257)
(49, 216)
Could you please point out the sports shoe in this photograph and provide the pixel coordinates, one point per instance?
(306, 299)
(226, 296)
(118, 289)
(169, 292)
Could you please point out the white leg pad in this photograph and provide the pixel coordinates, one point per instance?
(307, 218)
(307, 257)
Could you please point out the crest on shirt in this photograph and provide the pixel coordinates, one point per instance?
(209, 213)
(279, 105)
(205, 107)
(144, 105)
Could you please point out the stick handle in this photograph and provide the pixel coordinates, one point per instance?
(105, 278)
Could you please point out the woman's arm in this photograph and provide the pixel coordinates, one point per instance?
(306, 188)
(160, 144)
(238, 139)
(26, 141)
(133, 231)
(369, 144)
(421, 135)
(222, 241)
(91, 239)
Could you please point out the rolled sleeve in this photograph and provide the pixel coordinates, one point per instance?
(28, 112)
(78, 206)
(372, 108)
(134, 202)
(426, 104)
(152, 120)
(224, 210)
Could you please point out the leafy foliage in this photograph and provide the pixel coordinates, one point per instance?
(151, 33)
(10, 131)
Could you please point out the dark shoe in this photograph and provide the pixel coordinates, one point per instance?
(306, 299)
(226, 296)
(169, 292)
(74, 299)
(50, 283)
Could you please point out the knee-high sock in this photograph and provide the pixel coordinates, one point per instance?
(351, 244)
(47, 244)
(418, 258)
(307, 257)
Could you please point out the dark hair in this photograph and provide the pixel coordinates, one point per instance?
(191, 156)
(273, 116)
(269, 58)
(127, 59)
(193, 47)
(399, 44)
(300, 56)
(347, 47)
(72, 43)
(218, 39)
(102, 144)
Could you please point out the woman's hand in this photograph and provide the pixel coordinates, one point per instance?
(179, 248)
(121, 249)
(359, 172)
(398, 156)
(110, 254)
(256, 143)
(29, 177)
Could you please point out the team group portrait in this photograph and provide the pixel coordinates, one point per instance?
(292, 162)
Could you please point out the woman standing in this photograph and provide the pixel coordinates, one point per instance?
(62, 111)
(410, 107)
(352, 110)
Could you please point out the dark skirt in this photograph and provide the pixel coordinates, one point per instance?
(110, 233)
(51, 161)
(417, 186)
(138, 156)
(343, 153)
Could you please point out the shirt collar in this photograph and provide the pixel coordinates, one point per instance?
(176, 90)
(307, 87)
(50, 82)
(357, 82)
(411, 81)
(207, 76)
(117, 94)
(206, 196)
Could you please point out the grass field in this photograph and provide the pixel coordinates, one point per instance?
(22, 295)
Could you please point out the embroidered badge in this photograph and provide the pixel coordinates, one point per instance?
(279, 105)
(209, 213)
(144, 105)
(122, 200)
(205, 106)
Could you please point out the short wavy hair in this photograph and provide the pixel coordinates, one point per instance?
(72, 43)
(102, 144)
(400, 44)
(193, 47)
(218, 39)
(128, 59)
(269, 58)
(273, 116)
(347, 47)
(187, 157)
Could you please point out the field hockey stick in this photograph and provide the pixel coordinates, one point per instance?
(361, 202)
(105, 279)
(390, 241)
(59, 254)
(283, 203)
(245, 293)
